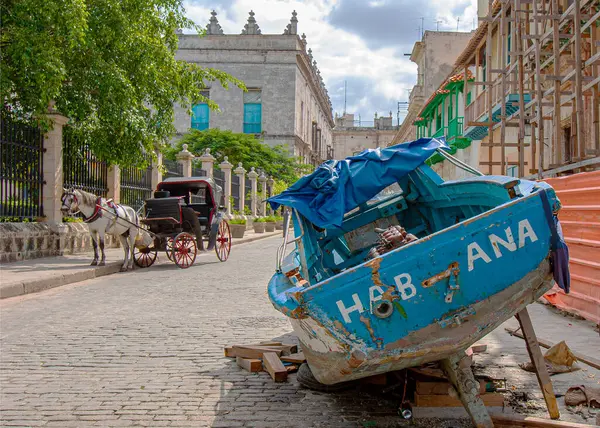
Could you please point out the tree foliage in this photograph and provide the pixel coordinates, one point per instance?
(109, 65)
(245, 148)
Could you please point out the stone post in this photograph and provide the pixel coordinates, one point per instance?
(263, 189)
(114, 183)
(207, 163)
(185, 158)
(226, 168)
(156, 173)
(252, 175)
(241, 173)
(270, 183)
(53, 169)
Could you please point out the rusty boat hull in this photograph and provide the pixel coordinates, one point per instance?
(421, 302)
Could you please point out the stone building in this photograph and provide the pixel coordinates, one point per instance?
(434, 55)
(350, 138)
(286, 102)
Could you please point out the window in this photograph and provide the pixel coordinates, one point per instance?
(469, 98)
(200, 114)
(253, 111)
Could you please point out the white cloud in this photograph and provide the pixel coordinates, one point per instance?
(377, 77)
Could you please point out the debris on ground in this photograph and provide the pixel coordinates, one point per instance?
(276, 358)
(581, 394)
(590, 361)
(559, 359)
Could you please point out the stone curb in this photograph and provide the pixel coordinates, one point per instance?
(35, 286)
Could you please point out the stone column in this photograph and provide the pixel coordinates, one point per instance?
(185, 158)
(253, 175)
(156, 167)
(226, 168)
(114, 183)
(241, 173)
(263, 189)
(270, 183)
(53, 169)
(207, 163)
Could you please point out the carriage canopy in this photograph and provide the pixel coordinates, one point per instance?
(338, 186)
(182, 186)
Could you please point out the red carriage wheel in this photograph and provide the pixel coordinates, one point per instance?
(169, 248)
(223, 244)
(144, 257)
(184, 250)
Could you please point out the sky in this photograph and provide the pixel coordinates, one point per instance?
(360, 42)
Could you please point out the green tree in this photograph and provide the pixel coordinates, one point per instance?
(246, 148)
(108, 64)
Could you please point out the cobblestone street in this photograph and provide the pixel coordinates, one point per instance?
(145, 348)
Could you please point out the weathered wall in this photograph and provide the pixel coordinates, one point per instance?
(22, 241)
(441, 48)
(276, 64)
(347, 142)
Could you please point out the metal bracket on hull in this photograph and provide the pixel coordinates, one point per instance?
(452, 274)
(456, 318)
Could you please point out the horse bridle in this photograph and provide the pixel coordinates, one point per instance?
(63, 199)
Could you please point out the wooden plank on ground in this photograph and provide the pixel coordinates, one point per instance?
(286, 349)
(436, 400)
(249, 364)
(477, 349)
(528, 421)
(590, 361)
(274, 366)
(253, 351)
(441, 388)
(297, 358)
(291, 368)
(228, 351)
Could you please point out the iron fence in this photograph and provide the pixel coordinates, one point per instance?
(136, 184)
(248, 194)
(172, 168)
(219, 177)
(21, 175)
(81, 168)
(198, 172)
(235, 192)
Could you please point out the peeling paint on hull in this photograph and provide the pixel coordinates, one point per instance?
(335, 358)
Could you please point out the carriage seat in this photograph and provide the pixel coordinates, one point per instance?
(204, 212)
(164, 208)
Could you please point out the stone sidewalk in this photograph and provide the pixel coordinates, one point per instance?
(32, 276)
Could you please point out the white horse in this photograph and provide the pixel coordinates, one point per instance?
(104, 217)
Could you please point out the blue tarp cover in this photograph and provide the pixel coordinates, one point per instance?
(339, 186)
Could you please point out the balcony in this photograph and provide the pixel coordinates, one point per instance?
(476, 112)
(440, 132)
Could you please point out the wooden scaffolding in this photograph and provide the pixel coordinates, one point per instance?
(553, 66)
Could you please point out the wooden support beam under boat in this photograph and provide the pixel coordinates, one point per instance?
(458, 370)
(537, 359)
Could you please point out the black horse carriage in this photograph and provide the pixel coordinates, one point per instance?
(184, 213)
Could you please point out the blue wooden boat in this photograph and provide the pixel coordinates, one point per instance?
(485, 248)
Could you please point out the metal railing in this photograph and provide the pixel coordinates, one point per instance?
(136, 184)
(440, 132)
(455, 128)
(21, 172)
(172, 168)
(81, 168)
